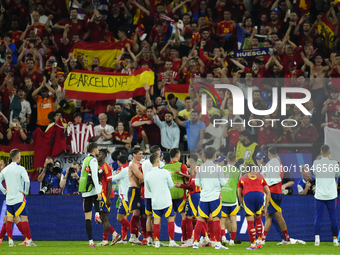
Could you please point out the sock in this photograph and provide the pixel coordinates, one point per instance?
(198, 230)
(88, 226)
(259, 227)
(125, 223)
(232, 235)
(106, 236)
(286, 235)
(22, 229)
(9, 229)
(184, 230)
(134, 225)
(204, 231)
(222, 232)
(124, 233)
(211, 230)
(143, 227)
(251, 232)
(217, 231)
(188, 223)
(265, 233)
(28, 230)
(111, 230)
(171, 230)
(149, 233)
(97, 214)
(156, 232)
(3, 231)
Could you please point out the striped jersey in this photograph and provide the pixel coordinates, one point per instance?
(80, 136)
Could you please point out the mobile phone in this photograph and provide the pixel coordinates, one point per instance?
(164, 103)
(55, 64)
(14, 124)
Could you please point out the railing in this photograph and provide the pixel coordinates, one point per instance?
(286, 145)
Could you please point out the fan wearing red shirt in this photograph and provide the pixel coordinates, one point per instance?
(151, 130)
(16, 34)
(123, 39)
(250, 190)
(190, 67)
(287, 137)
(146, 58)
(167, 77)
(17, 6)
(332, 104)
(225, 27)
(30, 73)
(266, 132)
(107, 194)
(96, 27)
(74, 25)
(39, 29)
(176, 62)
(137, 123)
(335, 123)
(122, 137)
(16, 135)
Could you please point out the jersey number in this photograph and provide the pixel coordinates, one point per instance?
(252, 176)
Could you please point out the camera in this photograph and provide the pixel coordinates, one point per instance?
(44, 189)
(71, 170)
(239, 162)
(51, 62)
(32, 40)
(164, 103)
(56, 168)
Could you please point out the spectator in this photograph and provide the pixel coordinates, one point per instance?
(49, 176)
(176, 101)
(169, 76)
(213, 135)
(169, 131)
(233, 134)
(35, 77)
(16, 135)
(10, 47)
(117, 19)
(307, 133)
(58, 115)
(121, 136)
(266, 132)
(335, 123)
(195, 130)
(96, 27)
(45, 104)
(69, 179)
(116, 114)
(103, 132)
(285, 137)
(151, 130)
(246, 148)
(331, 104)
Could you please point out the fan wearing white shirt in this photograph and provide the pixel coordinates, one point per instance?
(18, 184)
(103, 131)
(146, 167)
(326, 192)
(158, 182)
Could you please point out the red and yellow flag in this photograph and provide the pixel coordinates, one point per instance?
(107, 52)
(87, 85)
(180, 91)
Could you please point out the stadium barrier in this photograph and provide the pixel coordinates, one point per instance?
(61, 218)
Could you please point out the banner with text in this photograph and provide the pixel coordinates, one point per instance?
(107, 52)
(87, 85)
(27, 156)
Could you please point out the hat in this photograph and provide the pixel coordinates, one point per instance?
(333, 90)
(260, 155)
(60, 73)
(64, 104)
(221, 158)
(276, 10)
(336, 113)
(264, 96)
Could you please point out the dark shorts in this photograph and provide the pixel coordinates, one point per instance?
(17, 209)
(134, 198)
(192, 204)
(229, 210)
(275, 203)
(212, 207)
(123, 207)
(253, 202)
(179, 205)
(89, 202)
(148, 206)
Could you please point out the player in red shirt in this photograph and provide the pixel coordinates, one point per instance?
(137, 123)
(105, 172)
(250, 190)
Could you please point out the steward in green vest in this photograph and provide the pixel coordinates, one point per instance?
(179, 173)
(246, 148)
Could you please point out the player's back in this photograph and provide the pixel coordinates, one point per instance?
(252, 182)
(15, 177)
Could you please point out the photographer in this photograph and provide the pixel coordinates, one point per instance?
(49, 176)
(69, 181)
(306, 186)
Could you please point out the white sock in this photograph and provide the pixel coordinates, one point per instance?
(317, 238)
(91, 241)
(97, 214)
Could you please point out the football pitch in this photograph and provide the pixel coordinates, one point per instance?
(82, 248)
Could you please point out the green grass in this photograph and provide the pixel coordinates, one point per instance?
(82, 248)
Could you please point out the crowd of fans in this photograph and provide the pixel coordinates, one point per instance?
(179, 41)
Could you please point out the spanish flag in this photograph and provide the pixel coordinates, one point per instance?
(180, 91)
(337, 4)
(107, 52)
(87, 85)
(330, 29)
